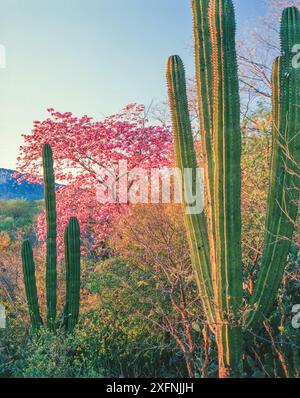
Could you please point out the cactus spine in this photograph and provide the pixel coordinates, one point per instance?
(72, 259)
(215, 236)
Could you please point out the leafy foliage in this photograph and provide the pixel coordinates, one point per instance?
(16, 214)
(86, 151)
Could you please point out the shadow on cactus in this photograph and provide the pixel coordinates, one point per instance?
(72, 260)
(215, 235)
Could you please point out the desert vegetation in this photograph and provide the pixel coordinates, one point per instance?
(137, 289)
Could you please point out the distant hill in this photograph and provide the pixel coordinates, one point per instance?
(10, 189)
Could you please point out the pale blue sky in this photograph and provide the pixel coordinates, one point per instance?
(89, 57)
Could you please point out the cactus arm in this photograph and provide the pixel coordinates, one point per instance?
(30, 285)
(51, 255)
(227, 181)
(72, 273)
(276, 94)
(284, 188)
(186, 159)
(67, 265)
(275, 171)
(203, 64)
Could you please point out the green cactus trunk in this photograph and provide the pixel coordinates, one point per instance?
(66, 307)
(226, 184)
(72, 259)
(51, 255)
(215, 236)
(30, 285)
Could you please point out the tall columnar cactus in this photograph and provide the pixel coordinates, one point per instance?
(215, 235)
(72, 259)
(51, 255)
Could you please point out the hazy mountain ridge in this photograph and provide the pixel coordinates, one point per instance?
(10, 189)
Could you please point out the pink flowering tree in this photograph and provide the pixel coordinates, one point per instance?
(83, 148)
